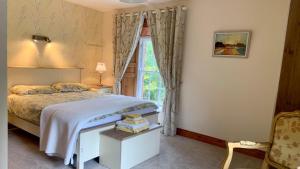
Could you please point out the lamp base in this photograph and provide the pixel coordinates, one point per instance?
(100, 79)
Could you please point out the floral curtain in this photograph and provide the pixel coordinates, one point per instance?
(127, 32)
(167, 33)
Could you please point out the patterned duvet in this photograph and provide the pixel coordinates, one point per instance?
(29, 107)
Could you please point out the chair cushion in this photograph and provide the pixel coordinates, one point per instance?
(285, 149)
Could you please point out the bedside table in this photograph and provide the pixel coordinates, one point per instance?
(105, 89)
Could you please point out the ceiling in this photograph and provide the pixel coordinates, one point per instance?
(107, 5)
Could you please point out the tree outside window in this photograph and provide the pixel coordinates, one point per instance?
(150, 84)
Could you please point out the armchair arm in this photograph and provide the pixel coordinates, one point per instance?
(242, 144)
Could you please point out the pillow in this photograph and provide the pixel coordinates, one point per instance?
(70, 87)
(31, 90)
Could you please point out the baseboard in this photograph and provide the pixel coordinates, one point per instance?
(218, 142)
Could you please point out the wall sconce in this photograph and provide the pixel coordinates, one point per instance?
(40, 38)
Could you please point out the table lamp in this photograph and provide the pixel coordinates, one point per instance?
(100, 68)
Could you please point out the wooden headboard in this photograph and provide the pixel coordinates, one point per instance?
(42, 75)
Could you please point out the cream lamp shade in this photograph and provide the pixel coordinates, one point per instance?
(101, 68)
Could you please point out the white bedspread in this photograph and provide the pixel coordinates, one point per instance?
(61, 123)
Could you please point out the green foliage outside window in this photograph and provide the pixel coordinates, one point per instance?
(153, 87)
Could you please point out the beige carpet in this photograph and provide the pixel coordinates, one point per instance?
(176, 153)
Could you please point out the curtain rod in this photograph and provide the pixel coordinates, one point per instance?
(153, 11)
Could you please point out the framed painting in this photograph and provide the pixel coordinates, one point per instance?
(234, 44)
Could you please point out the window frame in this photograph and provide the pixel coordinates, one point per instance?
(141, 71)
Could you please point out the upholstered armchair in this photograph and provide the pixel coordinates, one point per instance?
(283, 150)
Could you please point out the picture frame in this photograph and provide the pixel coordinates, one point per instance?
(231, 44)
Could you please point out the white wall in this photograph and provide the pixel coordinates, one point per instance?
(224, 97)
(3, 89)
(232, 98)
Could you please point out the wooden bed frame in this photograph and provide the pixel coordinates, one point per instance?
(88, 141)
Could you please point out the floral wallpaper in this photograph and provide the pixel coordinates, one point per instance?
(75, 31)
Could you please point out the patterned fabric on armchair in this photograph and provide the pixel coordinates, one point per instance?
(283, 150)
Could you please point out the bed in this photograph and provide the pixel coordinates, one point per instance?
(25, 112)
(29, 107)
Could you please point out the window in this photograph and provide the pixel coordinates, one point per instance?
(149, 82)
